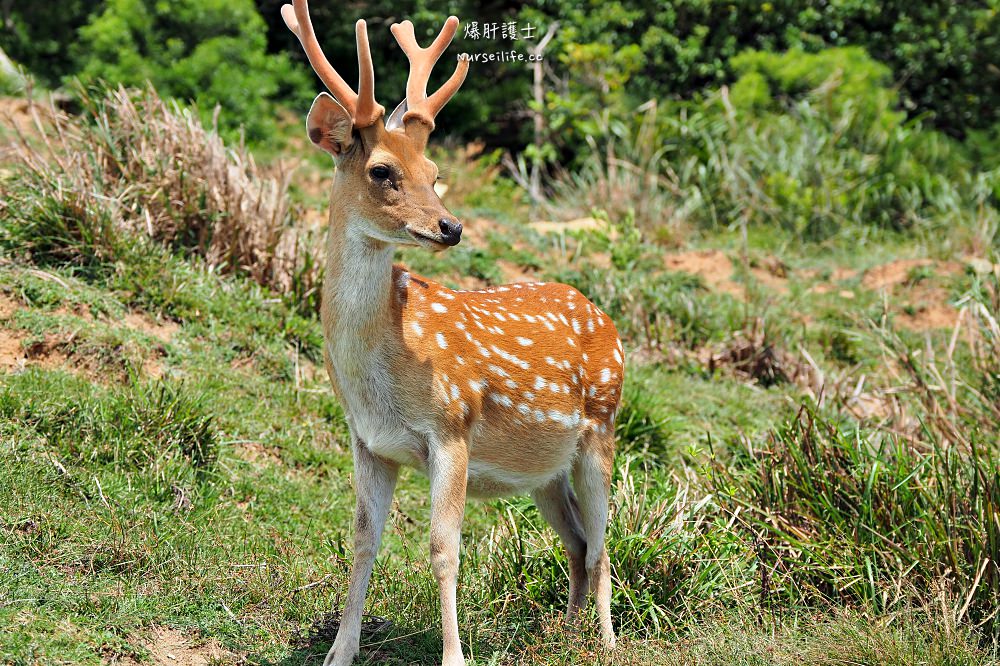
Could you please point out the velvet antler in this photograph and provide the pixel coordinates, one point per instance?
(418, 105)
(362, 106)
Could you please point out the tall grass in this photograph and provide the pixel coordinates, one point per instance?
(839, 515)
(157, 429)
(133, 163)
(809, 168)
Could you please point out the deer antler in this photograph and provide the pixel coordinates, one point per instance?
(419, 106)
(361, 105)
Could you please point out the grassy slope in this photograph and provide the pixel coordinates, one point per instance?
(192, 473)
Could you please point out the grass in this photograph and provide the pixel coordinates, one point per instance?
(800, 479)
(157, 171)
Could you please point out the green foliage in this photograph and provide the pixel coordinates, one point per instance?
(619, 54)
(41, 39)
(811, 143)
(937, 52)
(838, 515)
(840, 80)
(211, 53)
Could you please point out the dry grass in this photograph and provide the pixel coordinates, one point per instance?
(157, 171)
(956, 389)
(627, 176)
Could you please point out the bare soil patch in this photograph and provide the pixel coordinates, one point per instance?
(7, 306)
(898, 272)
(171, 647)
(15, 112)
(712, 266)
(15, 356)
(514, 273)
(474, 231)
(579, 224)
(49, 352)
(12, 355)
(928, 316)
(258, 454)
(142, 322)
(772, 272)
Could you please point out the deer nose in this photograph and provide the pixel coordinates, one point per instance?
(451, 231)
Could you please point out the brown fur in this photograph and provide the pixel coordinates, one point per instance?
(507, 390)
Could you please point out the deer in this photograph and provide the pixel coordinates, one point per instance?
(506, 390)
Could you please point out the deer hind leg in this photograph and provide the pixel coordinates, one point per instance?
(375, 480)
(558, 505)
(592, 480)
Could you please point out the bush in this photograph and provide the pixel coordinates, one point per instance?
(939, 52)
(211, 53)
(811, 143)
(136, 164)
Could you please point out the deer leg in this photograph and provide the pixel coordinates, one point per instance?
(558, 505)
(592, 480)
(374, 481)
(448, 467)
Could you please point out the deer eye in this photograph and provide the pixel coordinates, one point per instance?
(380, 172)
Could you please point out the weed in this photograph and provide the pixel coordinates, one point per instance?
(133, 162)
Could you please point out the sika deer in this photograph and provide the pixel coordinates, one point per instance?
(493, 392)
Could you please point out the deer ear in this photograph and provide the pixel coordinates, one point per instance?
(395, 119)
(329, 125)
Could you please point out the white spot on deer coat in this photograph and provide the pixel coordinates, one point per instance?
(501, 399)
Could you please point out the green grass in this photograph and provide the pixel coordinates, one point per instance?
(217, 500)
(194, 473)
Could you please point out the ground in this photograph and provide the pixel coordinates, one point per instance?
(176, 487)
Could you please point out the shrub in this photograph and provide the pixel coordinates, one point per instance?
(212, 53)
(136, 164)
(812, 144)
(937, 52)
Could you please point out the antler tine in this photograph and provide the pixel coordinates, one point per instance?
(422, 61)
(368, 111)
(362, 105)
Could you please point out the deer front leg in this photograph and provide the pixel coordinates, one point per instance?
(448, 467)
(374, 481)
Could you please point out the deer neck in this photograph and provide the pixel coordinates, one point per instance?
(358, 296)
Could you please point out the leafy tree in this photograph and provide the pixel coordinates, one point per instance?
(943, 55)
(38, 37)
(212, 52)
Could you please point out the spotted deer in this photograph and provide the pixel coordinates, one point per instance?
(512, 389)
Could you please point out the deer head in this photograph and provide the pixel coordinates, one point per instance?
(383, 177)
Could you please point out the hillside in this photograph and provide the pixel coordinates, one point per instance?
(807, 468)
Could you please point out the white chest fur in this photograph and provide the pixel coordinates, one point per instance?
(360, 295)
